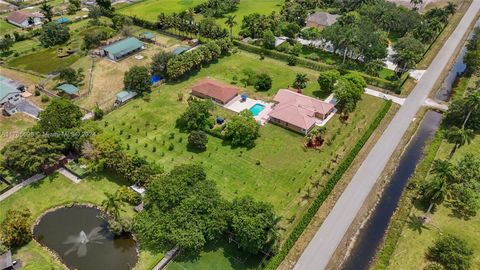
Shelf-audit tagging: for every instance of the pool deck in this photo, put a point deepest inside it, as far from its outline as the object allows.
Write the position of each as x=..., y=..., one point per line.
x=237, y=105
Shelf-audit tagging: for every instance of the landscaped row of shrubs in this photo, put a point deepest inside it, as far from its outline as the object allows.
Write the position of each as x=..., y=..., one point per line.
x=394, y=231
x=375, y=81
x=322, y=196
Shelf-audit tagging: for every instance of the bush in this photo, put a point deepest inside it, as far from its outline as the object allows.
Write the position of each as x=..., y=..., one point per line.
x=15, y=228
x=120, y=226
x=98, y=113
x=263, y=82
x=451, y=252
x=322, y=196
x=127, y=195
x=37, y=92
x=433, y=266
x=171, y=147
x=45, y=99
x=198, y=139
x=292, y=60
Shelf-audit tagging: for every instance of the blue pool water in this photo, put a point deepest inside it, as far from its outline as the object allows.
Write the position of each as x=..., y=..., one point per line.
x=256, y=109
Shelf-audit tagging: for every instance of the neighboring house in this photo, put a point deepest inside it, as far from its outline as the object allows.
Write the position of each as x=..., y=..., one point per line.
x=10, y=91
x=280, y=40
x=124, y=96
x=214, y=90
x=321, y=20
x=25, y=19
x=298, y=112
x=123, y=48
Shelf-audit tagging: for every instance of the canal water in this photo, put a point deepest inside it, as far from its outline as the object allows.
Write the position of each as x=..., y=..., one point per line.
x=372, y=233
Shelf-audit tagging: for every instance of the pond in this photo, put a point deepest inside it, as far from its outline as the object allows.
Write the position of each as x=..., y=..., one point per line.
x=80, y=238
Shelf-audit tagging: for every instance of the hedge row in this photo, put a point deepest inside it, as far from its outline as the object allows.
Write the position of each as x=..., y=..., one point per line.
x=322, y=196
x=399, y=219
x=371, y=80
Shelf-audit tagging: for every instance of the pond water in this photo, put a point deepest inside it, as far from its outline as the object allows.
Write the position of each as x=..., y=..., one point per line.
x=82, y=241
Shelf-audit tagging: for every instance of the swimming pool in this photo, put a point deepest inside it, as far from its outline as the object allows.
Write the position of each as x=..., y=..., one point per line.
x=256, y=109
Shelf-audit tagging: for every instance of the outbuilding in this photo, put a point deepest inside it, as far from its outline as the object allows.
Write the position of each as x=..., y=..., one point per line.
x=10, y=91
x=69, y=89
x=123, y=48
x=321, y=20
x=125, y=96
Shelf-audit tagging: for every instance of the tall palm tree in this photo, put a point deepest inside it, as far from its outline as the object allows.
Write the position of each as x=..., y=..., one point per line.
x=459, y=137
x=112, y=204
x=444, y=169
x=472, y=102
x=436, y=192
x=46, y=10
x=300, y=82
x=230, y=22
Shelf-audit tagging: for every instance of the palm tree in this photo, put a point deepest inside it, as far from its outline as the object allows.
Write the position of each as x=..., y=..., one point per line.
x=436, y=192
x=472, y=102
x=415, y=3
x=444, y=169
x=450, y=8
x=300, y=81
x=230, y=22
x=46, y=10
x=459, y=137
x=112, y=204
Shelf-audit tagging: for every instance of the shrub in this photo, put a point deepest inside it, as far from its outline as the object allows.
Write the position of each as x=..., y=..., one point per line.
x=37, y=92
x=433, y=266
x=171, y=147
x=263, y=82
x=98, y=113
x=127, y=195
x=451, y=252
x=292, y=60
x=198, y=139
x=15, y=228
x=45, y=99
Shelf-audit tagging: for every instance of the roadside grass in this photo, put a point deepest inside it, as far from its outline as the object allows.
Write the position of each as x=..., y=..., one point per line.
x=145, y=128
x=150, y=9
x=412, y=245
x=57, y=190
x=6, y=27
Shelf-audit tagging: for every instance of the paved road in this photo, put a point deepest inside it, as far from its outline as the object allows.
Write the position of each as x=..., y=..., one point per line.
x=325, y=242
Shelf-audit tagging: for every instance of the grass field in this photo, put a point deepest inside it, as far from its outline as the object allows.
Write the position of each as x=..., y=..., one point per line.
x=278, y=179
x=57, y=190
x=10, y=126
x=150, y=9
x=412, y=246
x=6, y=27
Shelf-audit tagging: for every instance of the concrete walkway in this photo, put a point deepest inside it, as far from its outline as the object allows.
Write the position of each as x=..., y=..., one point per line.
x=168, y=257
x=326, y=240
x=69, y=175
x=379, y=94
x=435, y=104
x=23, y=184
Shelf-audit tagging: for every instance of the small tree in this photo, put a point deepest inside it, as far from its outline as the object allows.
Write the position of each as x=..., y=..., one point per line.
x=15, y=228
x=198, y=139
x=327, y=80
x=197, y=116
x=53, y=34
x=268, y=40
x=408, y=51
x=230, y=22
x=451, y=252
x=459, y=137
x=6, y=43
x=46, y=10
x=98, y=113
x=263, y=82
x=242, y=129
x=159, y=63
x=68, y=75
x=113, y=204
x=137, y=79
x=301, y=81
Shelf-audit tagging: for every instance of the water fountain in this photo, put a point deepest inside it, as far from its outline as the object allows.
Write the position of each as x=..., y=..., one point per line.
x=81, y=239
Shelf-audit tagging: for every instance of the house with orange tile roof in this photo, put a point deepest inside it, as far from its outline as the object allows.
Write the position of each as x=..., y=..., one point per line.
x=298, y=112
x=214, y=90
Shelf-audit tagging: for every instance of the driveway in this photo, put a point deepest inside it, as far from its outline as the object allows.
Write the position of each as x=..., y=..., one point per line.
x=26, y=106
x=326, y=240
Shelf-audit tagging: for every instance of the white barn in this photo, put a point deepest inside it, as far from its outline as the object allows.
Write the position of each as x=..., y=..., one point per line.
x=24, y=19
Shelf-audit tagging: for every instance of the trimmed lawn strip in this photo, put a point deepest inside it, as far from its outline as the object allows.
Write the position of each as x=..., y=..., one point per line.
x=150, y=9
x=307, y=217
x=56, y=190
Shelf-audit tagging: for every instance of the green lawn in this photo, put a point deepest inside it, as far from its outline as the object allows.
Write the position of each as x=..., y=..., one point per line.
x=12, y=125
x=56, y=190
x=6, y=27
x=278, y=179
x=246, y=7
x=412, y=246
x=150, y=9
x=44, y=61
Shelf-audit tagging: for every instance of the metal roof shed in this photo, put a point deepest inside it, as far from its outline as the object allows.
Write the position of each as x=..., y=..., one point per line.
x=68, y=88
x=124, y=96
x=123, y=48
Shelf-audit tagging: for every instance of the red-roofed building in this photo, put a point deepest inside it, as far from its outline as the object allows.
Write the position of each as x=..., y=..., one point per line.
x=214, y=90
x=25, y=19
x=298, y=112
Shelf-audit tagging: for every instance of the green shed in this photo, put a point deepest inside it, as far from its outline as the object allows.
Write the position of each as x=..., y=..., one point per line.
x=125, y=96
x=123, y=48
x=68, y=88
